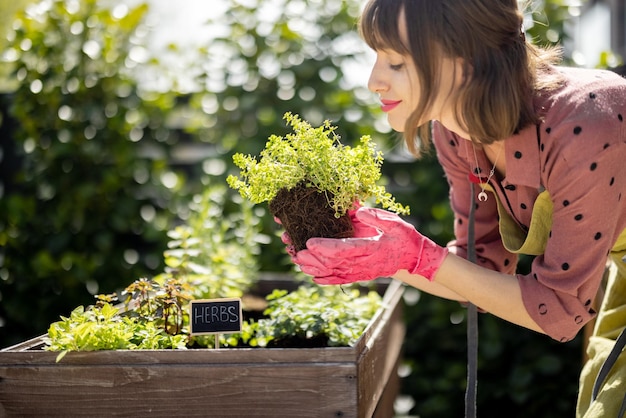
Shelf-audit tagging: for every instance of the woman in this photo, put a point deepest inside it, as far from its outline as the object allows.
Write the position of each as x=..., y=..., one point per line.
x=544, y=147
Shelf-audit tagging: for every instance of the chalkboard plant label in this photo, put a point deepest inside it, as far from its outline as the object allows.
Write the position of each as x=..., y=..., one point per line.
x=311, y=180
x=215, y=316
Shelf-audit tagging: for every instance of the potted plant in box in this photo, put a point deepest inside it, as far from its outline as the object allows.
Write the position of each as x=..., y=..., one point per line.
x=311, y=180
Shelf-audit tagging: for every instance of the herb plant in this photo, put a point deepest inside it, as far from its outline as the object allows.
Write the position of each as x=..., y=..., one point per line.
x=215, y=252
x=324, y=313
x=153, y=321
x=315, y=157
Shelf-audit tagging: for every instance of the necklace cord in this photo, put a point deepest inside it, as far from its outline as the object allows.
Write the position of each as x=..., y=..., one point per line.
x=482, y=196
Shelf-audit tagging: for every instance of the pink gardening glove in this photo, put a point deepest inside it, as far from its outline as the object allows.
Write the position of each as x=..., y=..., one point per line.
x=291, y=250
x=395, y=245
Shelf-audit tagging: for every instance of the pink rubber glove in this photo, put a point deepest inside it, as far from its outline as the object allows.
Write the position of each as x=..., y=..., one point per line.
x=291, y=250
x=395, y=245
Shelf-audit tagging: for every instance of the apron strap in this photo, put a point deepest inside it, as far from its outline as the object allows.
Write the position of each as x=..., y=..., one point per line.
x=472, y=323
x=608, y=364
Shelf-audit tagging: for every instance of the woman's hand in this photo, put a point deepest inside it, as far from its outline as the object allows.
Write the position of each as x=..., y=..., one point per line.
x=382, y=245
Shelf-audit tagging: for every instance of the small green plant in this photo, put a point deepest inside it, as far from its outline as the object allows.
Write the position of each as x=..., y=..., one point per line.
x=315, y=157
x=214, y=251
x=153, y=319
x=311, y=180
x=324, y=314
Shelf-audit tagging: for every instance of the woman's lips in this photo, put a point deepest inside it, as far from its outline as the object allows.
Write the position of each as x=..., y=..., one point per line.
x=389, y=105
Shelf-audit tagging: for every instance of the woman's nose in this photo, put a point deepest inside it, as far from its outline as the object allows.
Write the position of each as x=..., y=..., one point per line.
x=375, y=83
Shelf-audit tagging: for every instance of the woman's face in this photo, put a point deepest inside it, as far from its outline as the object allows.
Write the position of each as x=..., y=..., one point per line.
x=395, y=79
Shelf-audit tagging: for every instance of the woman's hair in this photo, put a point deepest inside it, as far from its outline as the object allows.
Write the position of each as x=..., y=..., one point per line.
x=501, y=70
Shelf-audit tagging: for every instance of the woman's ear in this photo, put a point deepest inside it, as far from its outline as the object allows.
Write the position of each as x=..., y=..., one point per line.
x=464, y=70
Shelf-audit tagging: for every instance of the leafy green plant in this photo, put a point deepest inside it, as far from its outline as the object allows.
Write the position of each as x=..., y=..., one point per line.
x=311, y=180
x=324, y=313
x=215, y=250
x=155, y=321
x=315, y=157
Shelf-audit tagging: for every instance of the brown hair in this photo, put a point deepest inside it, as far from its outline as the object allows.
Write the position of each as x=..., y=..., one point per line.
x=502, y=71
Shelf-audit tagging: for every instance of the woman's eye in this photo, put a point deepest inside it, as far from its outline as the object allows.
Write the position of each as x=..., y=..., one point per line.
x=396, y=67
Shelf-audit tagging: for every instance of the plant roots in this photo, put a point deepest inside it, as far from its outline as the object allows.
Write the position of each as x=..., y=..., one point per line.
x=305, y=213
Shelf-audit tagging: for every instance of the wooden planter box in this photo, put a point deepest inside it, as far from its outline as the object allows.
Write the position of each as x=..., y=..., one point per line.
x=359, y=381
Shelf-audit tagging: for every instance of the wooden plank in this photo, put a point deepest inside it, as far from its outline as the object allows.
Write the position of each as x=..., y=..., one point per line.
x=80, y=391
x=32, y=344
x=386, y=404
x=378, y=361
x=194, y=356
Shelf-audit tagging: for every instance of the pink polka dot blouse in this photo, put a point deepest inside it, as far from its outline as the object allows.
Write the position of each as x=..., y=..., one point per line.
x=578, y=154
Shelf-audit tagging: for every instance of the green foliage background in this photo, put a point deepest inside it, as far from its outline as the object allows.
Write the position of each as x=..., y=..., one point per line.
x=84, y=205
x=90, y=182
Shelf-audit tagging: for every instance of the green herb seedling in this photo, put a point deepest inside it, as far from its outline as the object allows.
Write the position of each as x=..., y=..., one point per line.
x=315, y=157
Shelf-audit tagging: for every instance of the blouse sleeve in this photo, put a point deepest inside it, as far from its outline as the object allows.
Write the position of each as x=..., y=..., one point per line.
x=490, y=252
